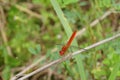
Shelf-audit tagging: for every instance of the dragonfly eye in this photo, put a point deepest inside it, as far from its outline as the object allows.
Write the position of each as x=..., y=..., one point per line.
x=61, y=53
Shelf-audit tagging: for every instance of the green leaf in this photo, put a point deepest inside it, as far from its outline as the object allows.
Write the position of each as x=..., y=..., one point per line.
x=32, y=50
x=38, y=48
x=71, y=16
x=67, y=2
x=13, y=62
x=66, y=65
x=36, y=1
x=35, y=50
x=83, y=3
x=114, y=71
x=98, y=72
x=6, y=73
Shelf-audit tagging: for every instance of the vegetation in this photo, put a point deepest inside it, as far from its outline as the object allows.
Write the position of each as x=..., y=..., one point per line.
x=31, y=29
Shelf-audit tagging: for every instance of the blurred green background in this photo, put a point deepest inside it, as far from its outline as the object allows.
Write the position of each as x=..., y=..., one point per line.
x=33, y=30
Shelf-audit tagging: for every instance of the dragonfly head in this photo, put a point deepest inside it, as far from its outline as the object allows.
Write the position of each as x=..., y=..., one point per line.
x=61, y=52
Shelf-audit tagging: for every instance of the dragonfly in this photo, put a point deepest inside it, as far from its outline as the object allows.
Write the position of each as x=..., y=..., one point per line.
x=67, y=45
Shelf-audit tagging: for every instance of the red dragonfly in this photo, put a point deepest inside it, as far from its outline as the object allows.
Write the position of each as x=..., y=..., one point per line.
x=67, y=45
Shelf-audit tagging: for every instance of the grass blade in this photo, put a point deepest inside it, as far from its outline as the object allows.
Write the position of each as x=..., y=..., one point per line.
x=68, y=31
x=114, y=72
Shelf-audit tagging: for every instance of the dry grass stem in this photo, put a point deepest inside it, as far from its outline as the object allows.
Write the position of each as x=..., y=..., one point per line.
x=69, y=56
x=2, y=26
x=82, y=31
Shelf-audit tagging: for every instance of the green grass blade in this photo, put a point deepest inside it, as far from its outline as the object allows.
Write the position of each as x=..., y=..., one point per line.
x=68, y=31
x=114, y=72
